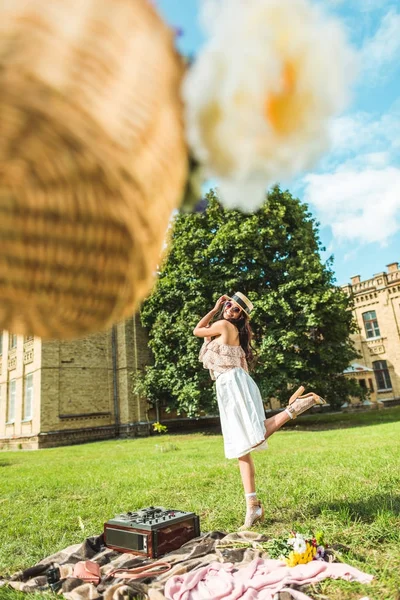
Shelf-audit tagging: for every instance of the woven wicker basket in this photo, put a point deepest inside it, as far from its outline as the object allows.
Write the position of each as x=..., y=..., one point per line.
x=92, y=160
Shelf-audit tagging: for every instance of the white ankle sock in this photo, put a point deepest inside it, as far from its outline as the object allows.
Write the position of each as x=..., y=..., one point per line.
x=289, y=413
x=252, y=495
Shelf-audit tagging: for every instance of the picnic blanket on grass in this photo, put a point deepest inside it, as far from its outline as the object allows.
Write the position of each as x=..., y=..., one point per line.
x=211, y=566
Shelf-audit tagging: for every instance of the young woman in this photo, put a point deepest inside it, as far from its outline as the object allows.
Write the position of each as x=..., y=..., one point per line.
x=226, y=352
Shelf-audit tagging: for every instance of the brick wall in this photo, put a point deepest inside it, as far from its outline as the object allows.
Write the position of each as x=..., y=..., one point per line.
x=76, y=387
x=133, y=354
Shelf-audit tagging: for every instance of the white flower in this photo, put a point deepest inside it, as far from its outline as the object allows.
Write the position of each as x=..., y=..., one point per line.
x=299, y=545
x=259, y=97
x=298, y=542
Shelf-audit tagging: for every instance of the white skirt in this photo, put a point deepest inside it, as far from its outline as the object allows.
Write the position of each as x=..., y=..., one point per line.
x=242, y=413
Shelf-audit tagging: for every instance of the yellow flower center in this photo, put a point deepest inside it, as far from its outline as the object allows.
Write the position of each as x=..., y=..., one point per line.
x=283, y=109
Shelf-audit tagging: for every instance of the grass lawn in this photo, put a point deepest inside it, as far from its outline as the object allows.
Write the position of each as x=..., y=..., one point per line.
x=344, y=480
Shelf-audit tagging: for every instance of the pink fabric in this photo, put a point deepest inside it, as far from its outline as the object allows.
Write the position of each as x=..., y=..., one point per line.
x=259, y=580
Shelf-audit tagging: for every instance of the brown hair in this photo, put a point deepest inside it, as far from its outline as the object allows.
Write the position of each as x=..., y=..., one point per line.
x=245, y=334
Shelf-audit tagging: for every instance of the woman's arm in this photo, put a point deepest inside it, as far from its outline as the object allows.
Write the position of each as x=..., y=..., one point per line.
x=204, y=329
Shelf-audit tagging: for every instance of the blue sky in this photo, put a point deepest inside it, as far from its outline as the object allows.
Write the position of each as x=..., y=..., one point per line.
x=354, y=190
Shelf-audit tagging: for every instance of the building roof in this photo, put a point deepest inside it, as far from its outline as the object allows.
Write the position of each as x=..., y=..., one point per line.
x=357, y=368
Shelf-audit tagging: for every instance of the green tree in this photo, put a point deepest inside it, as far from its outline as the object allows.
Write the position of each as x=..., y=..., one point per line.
x=301, y=319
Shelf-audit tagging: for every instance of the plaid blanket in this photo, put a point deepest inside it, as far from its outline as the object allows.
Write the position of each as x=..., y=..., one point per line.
x=239, y=548
x=213, y=546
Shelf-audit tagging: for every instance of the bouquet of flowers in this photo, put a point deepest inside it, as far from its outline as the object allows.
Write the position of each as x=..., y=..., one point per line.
x=298, y=548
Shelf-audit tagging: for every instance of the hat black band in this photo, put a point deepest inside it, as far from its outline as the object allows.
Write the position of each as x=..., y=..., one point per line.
x=241, y=303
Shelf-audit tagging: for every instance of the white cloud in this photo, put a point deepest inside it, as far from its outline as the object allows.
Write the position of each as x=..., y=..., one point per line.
x=383, y=49
x=359, y=205
x=358, y=192
x=364, y=140
x=365, y=132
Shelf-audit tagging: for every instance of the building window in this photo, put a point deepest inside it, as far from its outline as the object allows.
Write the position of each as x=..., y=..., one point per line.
x=1, y=343
x=12, y=341
x=28, y=397
x=382, y=375
x=371, y=385
x=371, y=324
x=363, y=384
x=11, y=401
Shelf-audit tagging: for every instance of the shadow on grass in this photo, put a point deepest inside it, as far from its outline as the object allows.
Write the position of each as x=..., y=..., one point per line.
x=314, y=422
x=340, y=420
x=366, y=510
x=211, y=430
x=216, y=430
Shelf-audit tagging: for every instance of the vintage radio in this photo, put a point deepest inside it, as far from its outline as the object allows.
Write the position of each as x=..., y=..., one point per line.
x=151, y=531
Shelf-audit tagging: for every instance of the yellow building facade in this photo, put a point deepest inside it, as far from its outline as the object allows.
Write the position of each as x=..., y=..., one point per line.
x=377, y=313
x=55, y=393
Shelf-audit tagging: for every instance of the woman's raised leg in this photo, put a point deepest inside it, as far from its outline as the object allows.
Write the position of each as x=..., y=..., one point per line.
x=297, y=405
x=274, y=423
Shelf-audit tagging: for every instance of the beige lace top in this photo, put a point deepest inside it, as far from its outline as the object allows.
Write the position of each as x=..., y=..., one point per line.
x=222, y=357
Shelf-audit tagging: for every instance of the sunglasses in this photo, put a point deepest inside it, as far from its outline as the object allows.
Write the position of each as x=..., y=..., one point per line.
x=235, y=309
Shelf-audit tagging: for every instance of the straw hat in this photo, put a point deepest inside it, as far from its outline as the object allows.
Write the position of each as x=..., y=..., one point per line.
x=92, y=160
x=242, y=302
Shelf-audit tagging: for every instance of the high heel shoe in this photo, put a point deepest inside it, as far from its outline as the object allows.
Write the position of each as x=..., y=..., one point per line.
x=299, y=404
x=254, y=513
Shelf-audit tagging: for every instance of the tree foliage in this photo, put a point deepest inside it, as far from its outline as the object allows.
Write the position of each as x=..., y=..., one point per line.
x=301, y=319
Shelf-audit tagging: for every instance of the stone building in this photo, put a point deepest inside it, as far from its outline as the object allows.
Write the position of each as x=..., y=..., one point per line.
x=377, y=312
x=55, y=393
